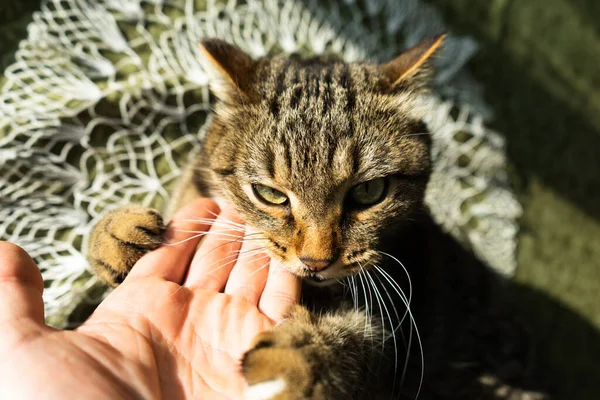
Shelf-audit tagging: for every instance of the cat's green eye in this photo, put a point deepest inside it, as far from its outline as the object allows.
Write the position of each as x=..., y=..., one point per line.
x=269, y=195
x=368, y=193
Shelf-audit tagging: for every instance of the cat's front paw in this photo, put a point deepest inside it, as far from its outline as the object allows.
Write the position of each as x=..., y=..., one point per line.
x=121, y=238
x=276, y=368
x=284, y=363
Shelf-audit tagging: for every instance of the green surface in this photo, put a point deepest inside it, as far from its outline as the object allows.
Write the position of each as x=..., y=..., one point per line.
x=539, y=63
x=14, y=17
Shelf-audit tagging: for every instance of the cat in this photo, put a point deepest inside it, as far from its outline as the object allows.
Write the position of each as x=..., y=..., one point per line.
x=329, y=161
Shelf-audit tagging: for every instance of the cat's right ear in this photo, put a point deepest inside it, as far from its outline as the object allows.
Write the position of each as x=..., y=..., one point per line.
x=413, y=67
x=228, y=67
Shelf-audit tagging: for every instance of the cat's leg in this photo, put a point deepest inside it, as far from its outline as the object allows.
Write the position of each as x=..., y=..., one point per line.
x=121, y=238
x=310, y=356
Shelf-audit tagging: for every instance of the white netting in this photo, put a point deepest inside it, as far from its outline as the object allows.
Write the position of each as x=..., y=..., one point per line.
x=107, y=101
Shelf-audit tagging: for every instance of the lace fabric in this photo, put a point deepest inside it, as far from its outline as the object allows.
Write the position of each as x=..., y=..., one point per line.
x=107, y=101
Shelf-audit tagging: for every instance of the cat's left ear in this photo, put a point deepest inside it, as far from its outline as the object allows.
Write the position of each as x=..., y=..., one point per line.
x=228, y=67
x=413, y=67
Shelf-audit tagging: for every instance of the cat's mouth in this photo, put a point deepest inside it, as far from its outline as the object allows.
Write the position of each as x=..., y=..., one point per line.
x=317, y=280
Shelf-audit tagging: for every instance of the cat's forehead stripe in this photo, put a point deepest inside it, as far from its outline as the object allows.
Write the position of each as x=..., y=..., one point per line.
x=279, y=88
x=312, y=105
x=301, y=86
x=328, y=123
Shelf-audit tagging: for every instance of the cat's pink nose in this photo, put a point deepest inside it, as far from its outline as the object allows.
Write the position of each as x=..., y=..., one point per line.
x=316, y=265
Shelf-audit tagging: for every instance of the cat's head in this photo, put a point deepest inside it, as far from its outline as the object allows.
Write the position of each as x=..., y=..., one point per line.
x=322, y=158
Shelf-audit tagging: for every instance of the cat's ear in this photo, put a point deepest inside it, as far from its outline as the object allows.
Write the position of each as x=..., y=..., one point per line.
x=228, y=67
x=413, y=67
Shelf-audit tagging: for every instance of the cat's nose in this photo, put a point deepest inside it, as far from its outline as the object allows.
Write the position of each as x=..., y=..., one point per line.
x=316, y=265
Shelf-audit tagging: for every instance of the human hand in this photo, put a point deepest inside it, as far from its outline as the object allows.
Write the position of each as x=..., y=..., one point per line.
x=172, y=329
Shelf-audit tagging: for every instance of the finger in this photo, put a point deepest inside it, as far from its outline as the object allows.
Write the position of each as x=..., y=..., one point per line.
x=185, y=230
x=282, y=291
x=248, y=277
x=217, y=254
x=21, y=285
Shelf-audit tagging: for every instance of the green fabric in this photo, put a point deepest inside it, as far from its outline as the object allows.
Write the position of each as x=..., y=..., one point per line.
x=14, y=17
x=538, y=63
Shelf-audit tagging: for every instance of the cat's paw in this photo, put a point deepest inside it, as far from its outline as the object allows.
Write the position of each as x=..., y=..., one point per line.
x=121, y=238
x=282, y=365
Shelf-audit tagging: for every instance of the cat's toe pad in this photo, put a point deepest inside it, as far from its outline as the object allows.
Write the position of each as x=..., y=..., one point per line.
x=265, y=390
x=277, y=373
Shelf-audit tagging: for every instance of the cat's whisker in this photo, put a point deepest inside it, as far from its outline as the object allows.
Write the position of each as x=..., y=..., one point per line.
x=221, y=245
x=217, y=217
x=221, y=218
x=211, y=232
x=394, y=284
x=221, y=222
x=351, y=290
x=373, y=290
x=370, y=309
x=215, y=221
x=422, y=355
x=245, y=251
x=176, y=291
x=202, y=234
x=413, y=324
x=366, y=272
x=355, y=294
x=364, y=290
x=379, y=304
x=251, y=256
x=246, y=237
x=407, y=345
x=241, y=239
x=241, y=254
x=376, y=268
x=185, y=240
x=405, y=271
x=393, y=329
x=233, y=258
x=265, y=265
x=398, y=291
x=205, y=233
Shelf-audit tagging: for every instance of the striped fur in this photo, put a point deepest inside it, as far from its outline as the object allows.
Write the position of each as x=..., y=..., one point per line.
x=313, y=129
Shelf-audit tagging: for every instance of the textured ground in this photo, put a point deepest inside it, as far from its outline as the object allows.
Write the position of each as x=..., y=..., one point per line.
x=539, y=65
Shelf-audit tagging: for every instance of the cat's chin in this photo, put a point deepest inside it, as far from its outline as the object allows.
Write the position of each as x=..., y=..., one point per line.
x=320, y=282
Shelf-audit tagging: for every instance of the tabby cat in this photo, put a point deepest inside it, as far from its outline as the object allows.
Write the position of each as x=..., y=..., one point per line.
x=329, y=161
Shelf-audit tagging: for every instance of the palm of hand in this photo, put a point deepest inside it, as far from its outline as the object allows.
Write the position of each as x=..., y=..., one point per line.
x=151, y=337
x=164, y=326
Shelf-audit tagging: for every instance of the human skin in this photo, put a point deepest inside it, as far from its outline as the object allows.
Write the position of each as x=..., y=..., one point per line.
x=175, y=328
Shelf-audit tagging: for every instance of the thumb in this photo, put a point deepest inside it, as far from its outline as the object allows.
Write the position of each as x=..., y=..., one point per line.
x=21, y=285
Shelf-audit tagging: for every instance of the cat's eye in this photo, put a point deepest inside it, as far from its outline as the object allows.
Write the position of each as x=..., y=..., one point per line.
x=369, y=193
x=269, y=195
